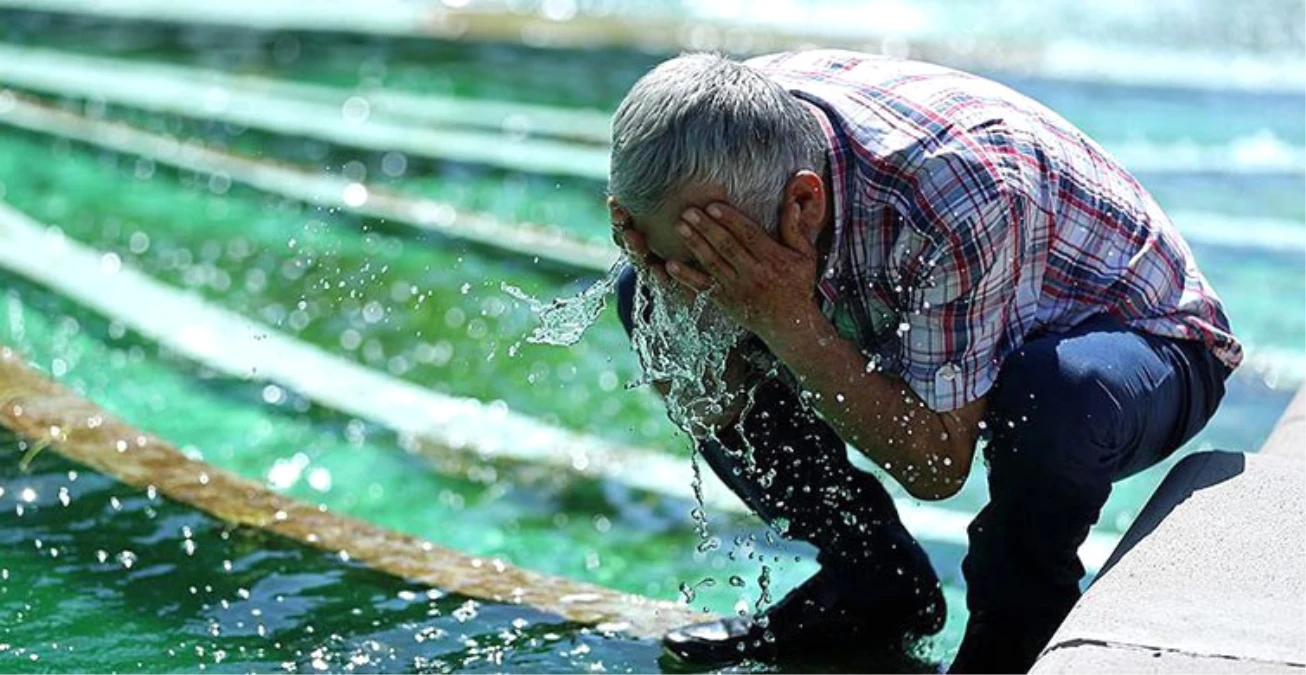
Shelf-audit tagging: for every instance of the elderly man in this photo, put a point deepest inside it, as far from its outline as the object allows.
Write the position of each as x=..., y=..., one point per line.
x=915, y=258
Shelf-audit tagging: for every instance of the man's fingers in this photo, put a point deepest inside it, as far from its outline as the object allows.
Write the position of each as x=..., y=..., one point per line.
x=791, y=230
x=689, y=276
x=745, y=229
x=755, y=239
x=723, y=238
x=717, y=263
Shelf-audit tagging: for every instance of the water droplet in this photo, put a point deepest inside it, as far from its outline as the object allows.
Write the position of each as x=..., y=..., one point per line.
x=709, y=544
x=354, y=195
x=466, y=611
x=273, y=395
x=139, y=242
x=110, y=263
x=355, y=110
x=373, y=312
x=764, y=597
x=319, y=479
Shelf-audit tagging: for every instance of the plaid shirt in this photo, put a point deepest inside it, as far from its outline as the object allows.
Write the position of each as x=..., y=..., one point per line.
x=969, y=218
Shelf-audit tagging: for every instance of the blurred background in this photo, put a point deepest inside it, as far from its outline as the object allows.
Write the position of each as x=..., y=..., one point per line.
x=363, y=178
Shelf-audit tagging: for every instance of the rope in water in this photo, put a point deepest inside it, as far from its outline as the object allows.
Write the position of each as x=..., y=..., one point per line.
x=48, y=414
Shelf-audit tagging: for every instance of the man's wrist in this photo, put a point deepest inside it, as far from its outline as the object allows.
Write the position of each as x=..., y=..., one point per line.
x=791, y=342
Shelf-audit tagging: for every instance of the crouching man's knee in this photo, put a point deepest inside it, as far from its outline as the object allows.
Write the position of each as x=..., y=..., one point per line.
x=1053, y=428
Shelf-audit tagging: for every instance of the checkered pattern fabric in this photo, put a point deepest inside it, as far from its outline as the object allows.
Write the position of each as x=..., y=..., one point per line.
x=970, y=218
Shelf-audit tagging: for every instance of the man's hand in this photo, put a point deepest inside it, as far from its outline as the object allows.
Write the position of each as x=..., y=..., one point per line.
x=648, y=264
x=769, y=287
x=764, y=285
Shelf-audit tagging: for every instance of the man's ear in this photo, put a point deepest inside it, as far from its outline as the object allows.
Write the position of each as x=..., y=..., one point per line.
x=620, y=217
x=807, y=189
x=621, y=221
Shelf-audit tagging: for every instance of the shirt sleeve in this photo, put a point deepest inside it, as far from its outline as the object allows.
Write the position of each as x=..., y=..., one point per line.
x=959, y=264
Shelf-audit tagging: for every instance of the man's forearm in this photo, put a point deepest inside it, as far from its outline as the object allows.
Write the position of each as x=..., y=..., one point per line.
x=876, y=413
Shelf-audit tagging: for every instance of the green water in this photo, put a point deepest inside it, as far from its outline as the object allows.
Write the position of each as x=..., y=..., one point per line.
x=594, y=79
x=598, y=532
x=428, y=310
x=185, y=593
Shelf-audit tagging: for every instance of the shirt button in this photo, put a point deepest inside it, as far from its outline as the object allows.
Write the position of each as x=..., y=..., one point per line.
x=949, y=371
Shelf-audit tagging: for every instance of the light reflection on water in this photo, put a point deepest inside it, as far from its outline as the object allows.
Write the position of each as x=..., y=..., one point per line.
x=186, y=592
x=603, y=532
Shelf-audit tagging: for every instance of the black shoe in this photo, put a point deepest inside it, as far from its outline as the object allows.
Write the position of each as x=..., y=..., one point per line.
x=827, y=615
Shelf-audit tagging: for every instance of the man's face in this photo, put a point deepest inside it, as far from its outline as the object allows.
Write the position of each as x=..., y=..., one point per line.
x=659, y=227
x=680, y=340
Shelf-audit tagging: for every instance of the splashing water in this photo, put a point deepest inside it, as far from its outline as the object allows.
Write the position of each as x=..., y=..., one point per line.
x=564, y=320
x=683, y=344
x=763, y=583
x=689, y=593
x=699, y=512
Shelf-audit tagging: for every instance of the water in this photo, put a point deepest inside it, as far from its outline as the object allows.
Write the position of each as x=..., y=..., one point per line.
x=193, y=595
x=688, y=347
x=564, y=320
x=682, y=345
x=431, y=310
x=601, y=532
x=432, y=329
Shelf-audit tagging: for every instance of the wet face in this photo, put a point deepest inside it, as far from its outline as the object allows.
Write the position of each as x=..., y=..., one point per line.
x=682, y=341
x=658, y=227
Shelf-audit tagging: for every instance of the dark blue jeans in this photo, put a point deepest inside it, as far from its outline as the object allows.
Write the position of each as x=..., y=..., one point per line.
x=1071, y=413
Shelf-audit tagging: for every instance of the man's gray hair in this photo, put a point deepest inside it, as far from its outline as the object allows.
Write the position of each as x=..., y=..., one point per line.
x=701, y=119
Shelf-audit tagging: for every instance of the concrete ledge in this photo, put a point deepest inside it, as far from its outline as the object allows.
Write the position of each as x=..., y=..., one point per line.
x=1210, y=578
x=1289, y=435
x=1087, y=657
